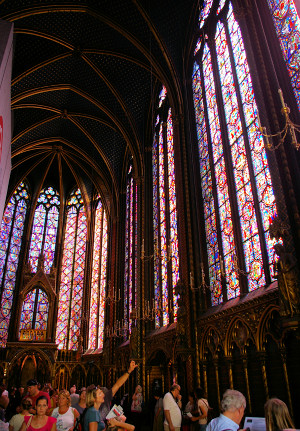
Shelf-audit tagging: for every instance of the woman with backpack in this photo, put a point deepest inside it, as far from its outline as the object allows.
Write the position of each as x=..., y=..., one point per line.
x=203, y=408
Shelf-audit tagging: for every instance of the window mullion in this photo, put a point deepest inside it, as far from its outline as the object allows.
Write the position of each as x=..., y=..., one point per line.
x=35, y=308
x=45, y=229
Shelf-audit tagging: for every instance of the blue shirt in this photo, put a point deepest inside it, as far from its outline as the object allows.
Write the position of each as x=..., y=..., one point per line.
x=222, y=423
x=92, y=415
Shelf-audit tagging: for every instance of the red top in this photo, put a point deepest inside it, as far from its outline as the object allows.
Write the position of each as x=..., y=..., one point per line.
x=47, y=427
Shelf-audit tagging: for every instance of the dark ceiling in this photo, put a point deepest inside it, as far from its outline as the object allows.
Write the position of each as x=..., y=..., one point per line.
x=84, y=76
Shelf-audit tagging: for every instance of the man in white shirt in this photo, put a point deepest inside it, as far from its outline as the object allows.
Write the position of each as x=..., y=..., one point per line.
x=172, y=409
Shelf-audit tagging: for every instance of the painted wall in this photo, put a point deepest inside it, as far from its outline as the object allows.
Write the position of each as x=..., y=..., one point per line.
x=6, y=50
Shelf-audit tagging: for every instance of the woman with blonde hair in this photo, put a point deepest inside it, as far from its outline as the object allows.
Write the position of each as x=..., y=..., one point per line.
x=65, y=414
x=91, y=417
x=277, y=415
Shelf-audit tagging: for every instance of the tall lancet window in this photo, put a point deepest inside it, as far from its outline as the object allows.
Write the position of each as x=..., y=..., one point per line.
x=130, y=273
x=166, y=258
x=99, y=270
x=287, y=24
x=236, y=184
x=44, y=230
x=11, y=234
x=72, y=275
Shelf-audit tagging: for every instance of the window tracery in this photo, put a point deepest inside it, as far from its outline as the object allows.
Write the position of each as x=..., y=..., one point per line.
x=44, y=230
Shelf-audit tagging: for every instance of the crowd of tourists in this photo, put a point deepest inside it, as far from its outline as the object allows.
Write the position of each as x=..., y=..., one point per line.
x=89, y=409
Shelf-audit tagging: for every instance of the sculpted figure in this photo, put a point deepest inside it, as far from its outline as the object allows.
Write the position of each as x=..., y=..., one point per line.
x=288, y=281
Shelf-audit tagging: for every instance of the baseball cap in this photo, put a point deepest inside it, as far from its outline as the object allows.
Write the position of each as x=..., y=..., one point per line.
x=32, y=382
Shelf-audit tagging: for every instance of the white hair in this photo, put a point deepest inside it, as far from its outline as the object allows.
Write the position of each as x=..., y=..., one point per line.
x=232, y=400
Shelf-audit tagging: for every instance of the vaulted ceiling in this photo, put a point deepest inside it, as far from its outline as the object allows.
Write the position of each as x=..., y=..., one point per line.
x=84, y=76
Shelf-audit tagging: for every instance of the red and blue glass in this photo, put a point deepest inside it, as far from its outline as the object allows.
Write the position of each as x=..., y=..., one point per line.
x=35, y=308
x=44, y=229
x=99, y=271
x=11, y=234
x=246, y=152
x=287, y=25
x=166, y=255
x=72, y=275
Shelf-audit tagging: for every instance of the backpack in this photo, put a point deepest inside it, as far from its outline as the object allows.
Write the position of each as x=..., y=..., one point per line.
x=210, y=414
x=210, y=411
x=79, y=424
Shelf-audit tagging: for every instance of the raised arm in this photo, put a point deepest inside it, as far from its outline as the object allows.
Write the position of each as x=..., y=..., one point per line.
x=121, y=380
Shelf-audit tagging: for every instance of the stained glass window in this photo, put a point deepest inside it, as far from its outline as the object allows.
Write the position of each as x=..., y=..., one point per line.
x=207, y=4
x=35, y=309
x=44, y=230
x=11, y=233
x=72, y=274
x=287, y=24
x=130, y=273
x=99, y=270
x=236, y=246
x=166, y=258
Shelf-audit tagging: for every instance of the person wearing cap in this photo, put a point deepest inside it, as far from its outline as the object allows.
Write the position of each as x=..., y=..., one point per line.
x=34, y=394
x=110, y=393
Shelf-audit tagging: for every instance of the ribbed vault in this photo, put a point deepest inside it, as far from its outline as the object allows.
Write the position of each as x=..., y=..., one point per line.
x=84, y=77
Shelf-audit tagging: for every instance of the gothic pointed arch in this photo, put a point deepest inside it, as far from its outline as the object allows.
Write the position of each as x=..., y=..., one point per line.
x=238, y=334
x=44, y=229
x=36, y=303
